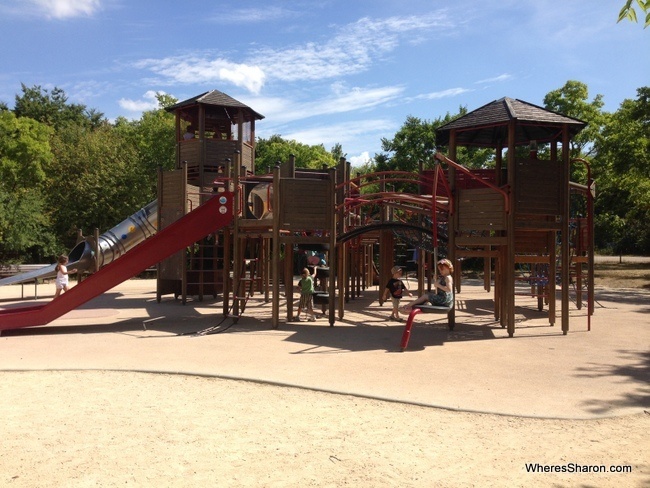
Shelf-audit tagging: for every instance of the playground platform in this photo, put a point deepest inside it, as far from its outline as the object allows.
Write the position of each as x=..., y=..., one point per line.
x=538, y=373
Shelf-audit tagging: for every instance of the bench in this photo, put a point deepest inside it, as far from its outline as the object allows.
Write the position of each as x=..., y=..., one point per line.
x=449, y=311
x=18, y=269
x=322, y=298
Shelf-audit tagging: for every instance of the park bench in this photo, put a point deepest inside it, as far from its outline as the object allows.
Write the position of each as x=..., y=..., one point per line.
x=17, y=269
x=449, y=311
x=322, y=298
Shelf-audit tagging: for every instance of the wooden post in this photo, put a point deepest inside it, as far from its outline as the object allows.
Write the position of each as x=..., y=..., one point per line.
x=566, y=258
x=275, y=314
x=288, y=278
x=237, y=254
x=266, y=246
x=202, y=157
x=509, y=278
x=591, y=190
x=177, y=127
x=227, y=255
x=550, y=291
x=452, y=220
x=333, y=257
x=185, y=210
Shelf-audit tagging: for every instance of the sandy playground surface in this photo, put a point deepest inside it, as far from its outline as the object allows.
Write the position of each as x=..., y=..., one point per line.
x=98, y=426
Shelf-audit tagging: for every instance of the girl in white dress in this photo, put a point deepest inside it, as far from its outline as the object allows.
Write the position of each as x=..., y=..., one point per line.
x=62, y=275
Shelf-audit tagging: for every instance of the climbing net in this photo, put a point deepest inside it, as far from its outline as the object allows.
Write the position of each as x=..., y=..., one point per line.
x=415, y=238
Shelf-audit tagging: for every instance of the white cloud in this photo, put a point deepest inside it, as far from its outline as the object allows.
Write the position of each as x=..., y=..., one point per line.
x=359, y=160
x=64, y=9
x=503, y=77
x=282, y=110
x=148, y=102
x=351, y=50
x=249, y=77
x=343, y=133
x=252, y=15
x=451, y=92
x=195, y=70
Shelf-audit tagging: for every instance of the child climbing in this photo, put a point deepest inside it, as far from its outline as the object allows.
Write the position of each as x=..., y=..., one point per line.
x=443, y=294
x=306, y=287
x=62, y=275
x=395, y=287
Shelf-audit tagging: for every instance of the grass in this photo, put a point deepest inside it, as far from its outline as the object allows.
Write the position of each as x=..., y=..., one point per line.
x=608, y=274
x=622, y=275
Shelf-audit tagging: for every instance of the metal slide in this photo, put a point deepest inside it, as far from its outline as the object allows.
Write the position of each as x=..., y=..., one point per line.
x=209, y=217
x=112, y=244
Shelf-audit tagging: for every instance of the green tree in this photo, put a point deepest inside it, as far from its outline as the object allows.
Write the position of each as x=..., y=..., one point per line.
x=622, y=170
x=572, y=100
x=416, y=141
x=269, y=151
x=24, y=217
x=95, y=180
x=628, y=12
x=52, y=108
x=154, y=139
x=337, y=152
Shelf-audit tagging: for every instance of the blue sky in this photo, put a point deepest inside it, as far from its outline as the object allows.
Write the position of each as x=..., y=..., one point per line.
x=323, y=71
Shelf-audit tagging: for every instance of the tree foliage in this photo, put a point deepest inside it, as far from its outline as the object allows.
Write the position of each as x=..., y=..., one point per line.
x=24, y=217
x=622, y=170
x=154, y=138
x=573, y=100
x=415, y=141
x=275, y=149
x=629, y=12
x=52, y=108
x=95, y=180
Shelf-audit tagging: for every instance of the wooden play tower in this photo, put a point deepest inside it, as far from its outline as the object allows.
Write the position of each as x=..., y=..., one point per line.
x=215, y=137
x=527, y=208
x=274, y=213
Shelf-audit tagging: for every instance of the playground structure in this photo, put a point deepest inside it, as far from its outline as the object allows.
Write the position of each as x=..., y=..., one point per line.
x=510, y=216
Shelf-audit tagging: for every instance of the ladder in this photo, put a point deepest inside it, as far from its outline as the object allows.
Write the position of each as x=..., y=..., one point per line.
x=245, y=289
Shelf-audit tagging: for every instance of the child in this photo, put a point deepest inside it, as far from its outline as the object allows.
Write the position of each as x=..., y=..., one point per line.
x=443, y=294
x=395, y=287
x=306, y=287
x=62, y=275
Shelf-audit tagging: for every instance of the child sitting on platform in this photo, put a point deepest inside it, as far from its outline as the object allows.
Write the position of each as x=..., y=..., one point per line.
x=443, y=294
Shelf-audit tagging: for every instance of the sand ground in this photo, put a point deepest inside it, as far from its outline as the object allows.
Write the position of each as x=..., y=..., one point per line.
x=94, y=399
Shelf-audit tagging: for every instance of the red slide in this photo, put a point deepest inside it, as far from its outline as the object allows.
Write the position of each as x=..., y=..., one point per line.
x=209, y=217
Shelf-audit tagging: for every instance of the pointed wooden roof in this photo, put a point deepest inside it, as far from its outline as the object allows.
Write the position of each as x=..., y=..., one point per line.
x=214, y=98
x=487, y=126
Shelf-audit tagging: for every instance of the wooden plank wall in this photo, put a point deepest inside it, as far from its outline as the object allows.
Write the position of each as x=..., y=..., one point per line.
x=537, y=187
x=531, y=242
x=189, y=151
x=216, y=152
x=248, y=157
x=171, y=207
x=304, y=204
x=480, y=210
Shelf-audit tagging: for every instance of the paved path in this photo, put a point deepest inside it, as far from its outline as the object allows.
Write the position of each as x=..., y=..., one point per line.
x=477, y=367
